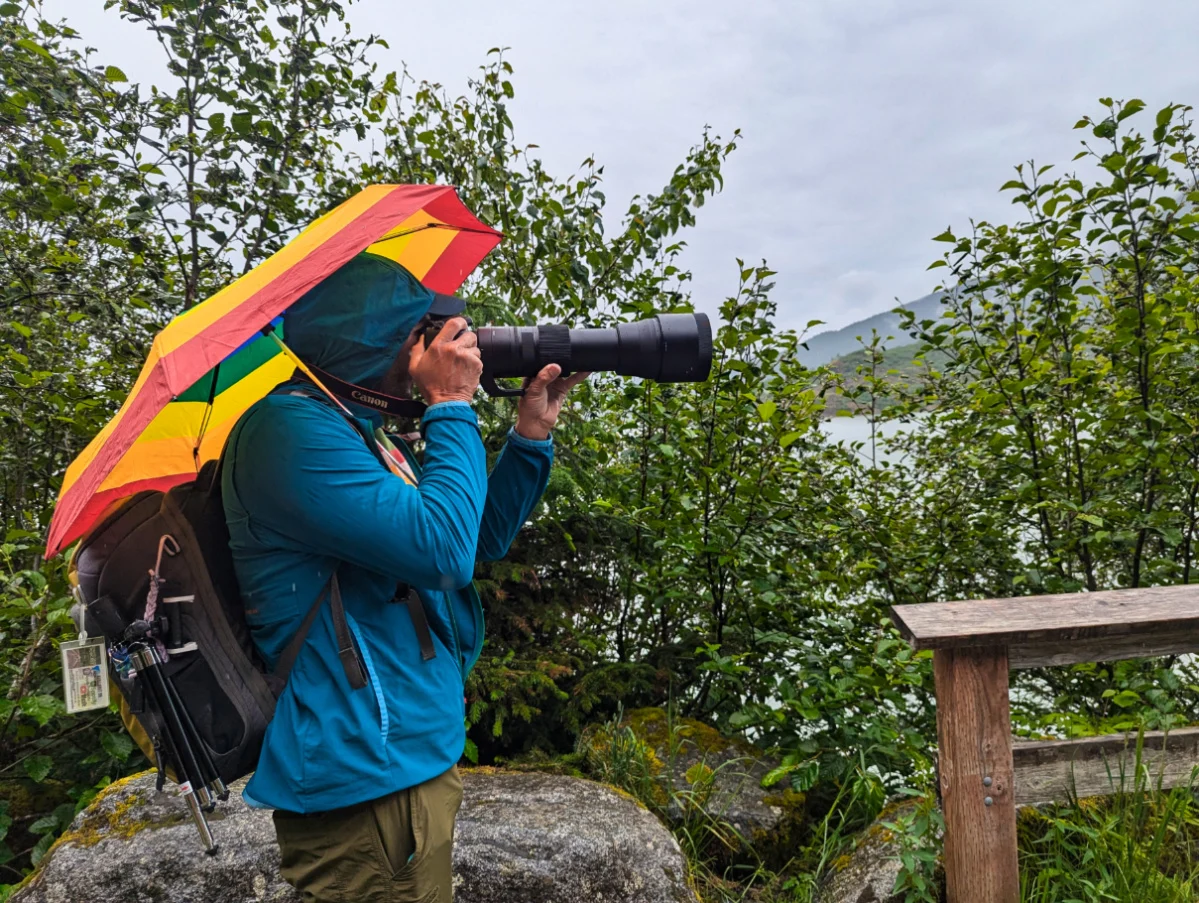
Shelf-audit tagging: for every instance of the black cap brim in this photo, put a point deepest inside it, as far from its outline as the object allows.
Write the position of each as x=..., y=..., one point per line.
x=446, y=305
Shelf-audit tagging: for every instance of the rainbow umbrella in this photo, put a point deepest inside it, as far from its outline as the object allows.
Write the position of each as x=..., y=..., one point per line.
x=213, y=361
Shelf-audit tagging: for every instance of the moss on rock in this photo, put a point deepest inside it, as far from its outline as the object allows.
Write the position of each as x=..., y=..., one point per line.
x=111, y=815
x=656, y=725
x=701, y=767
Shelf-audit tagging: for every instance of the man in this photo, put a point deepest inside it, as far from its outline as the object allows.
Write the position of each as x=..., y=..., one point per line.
x=363, y=781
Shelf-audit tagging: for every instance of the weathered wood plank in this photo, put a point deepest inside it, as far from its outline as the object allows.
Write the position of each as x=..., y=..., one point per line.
x=1146, y=644
x=1043, y=620
x=974, y=733
x=1052, y=770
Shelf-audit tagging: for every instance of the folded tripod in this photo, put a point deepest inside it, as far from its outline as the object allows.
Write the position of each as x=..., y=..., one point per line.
x=177, y=744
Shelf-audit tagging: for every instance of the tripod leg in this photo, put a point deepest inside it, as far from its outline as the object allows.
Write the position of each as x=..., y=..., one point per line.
x=197, y=743
x=194, y=806
x=191, y=779
x=201, y=820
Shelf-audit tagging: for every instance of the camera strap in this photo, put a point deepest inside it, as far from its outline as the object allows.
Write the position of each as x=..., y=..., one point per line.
x=371, y=398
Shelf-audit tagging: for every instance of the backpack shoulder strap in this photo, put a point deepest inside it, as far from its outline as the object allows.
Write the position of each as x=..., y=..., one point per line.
x=345, y=644
x=346, y=650
x=420, y=619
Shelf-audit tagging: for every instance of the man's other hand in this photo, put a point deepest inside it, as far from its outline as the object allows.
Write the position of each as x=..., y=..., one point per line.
x=538, y=410
x=449, y=369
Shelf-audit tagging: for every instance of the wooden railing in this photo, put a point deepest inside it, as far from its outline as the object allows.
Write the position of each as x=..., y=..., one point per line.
x=983, y=778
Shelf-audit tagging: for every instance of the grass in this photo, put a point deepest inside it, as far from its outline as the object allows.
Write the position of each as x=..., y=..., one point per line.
x=1139, y=844
x=616, y=755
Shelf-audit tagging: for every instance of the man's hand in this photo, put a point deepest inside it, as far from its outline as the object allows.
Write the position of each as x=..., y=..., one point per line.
x=449, y=369
x=538, y=410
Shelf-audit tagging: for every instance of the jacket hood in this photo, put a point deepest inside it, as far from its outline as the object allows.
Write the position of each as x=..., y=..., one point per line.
x=354, y=321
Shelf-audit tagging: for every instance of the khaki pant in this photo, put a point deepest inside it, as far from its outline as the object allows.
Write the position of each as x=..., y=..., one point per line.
x=395, y=849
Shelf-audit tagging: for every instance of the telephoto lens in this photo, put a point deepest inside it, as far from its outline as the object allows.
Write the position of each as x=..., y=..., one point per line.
x=668, y=348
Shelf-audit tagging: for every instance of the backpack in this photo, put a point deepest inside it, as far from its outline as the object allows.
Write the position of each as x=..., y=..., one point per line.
x=155, y=577
x=162, y=559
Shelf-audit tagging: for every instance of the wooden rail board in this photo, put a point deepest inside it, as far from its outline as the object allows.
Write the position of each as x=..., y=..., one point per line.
x=1065, y=621
x=1147, y=644
x=1054, y=770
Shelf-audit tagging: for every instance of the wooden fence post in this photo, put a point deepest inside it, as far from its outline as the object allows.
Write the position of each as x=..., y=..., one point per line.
x=975, y=737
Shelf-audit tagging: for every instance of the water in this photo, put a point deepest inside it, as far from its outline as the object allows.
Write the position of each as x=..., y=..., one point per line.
x=858, y=429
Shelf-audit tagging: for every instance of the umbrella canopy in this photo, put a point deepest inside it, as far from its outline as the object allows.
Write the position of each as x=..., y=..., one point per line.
x=213, y=361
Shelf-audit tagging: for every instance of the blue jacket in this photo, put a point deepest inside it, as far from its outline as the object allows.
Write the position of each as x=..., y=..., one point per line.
x=303, y=494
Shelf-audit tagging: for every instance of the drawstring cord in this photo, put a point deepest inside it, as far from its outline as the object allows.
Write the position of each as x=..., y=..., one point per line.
x=156, y=582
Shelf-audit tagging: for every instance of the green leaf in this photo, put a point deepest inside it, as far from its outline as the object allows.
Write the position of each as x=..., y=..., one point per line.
x=1131, y=108
x=806, y=776
x=242, y=123
x=766, y=409
x=788, y=438
x=775, y=775
x=40, y=708
x=119, y=746
x=1126, y=698
x=38, y=767
x=1091, y=519
x=41, y=848
x=44, y=824
x=1013, y=184
x=947, y=235
x=33, y=47
x=113, y=74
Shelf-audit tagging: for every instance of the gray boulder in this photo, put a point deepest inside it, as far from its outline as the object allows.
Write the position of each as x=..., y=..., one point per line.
x=868, y=874
x=528, y=837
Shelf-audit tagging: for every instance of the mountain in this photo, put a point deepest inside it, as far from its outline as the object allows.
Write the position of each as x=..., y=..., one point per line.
x=826, y=346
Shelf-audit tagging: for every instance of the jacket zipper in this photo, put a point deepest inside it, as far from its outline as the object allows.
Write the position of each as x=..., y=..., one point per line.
x=374, y=678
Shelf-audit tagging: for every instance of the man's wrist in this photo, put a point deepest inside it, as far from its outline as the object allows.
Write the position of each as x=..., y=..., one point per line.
x=532, y=432
x=433, y=398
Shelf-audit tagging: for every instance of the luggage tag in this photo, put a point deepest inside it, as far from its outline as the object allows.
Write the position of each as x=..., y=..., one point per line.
x=84, y=673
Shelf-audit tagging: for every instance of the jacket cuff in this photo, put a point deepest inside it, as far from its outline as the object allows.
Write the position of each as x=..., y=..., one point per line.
x=450, y=410
x=515, y=438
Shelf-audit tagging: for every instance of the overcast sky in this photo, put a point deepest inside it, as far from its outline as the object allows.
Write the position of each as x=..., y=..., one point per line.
x=869, y=125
